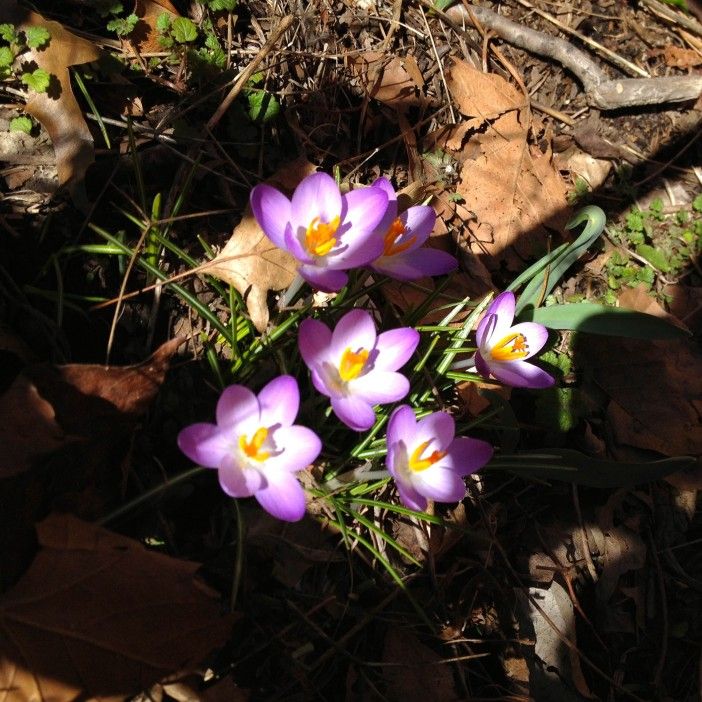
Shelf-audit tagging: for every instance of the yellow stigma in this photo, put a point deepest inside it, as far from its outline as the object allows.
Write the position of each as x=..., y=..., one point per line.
x=319, y=237
x=352, y=363
x=394, y=232
x=511, y=348
x=253, y=448
x=416, y=463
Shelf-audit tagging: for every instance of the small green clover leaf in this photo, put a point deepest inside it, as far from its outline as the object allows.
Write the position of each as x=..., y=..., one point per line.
x=21, y=124
x=8, y=33
x=184, y=30
x=37, y=37
x=37, y=80
x=7, y=56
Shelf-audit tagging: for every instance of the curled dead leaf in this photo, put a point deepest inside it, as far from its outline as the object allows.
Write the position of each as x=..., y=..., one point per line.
x=97, y=616
x=396, y=82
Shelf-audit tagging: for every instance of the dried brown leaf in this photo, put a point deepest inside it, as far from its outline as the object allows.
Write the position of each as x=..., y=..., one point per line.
x=144, y=37
x=413, y=672
x=250, y=262
x=57, y=109
x=97, y=616
x=396, y=82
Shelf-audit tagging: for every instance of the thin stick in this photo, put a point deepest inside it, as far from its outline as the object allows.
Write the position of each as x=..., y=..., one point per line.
x=246, y=74
x=438, y=62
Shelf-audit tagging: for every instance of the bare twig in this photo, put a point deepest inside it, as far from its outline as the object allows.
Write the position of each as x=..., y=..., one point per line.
x=601, y=91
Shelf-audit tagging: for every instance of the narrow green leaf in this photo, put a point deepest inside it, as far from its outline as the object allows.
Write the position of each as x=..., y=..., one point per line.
x=598, y=319
x=575, y=467
x=541, y=285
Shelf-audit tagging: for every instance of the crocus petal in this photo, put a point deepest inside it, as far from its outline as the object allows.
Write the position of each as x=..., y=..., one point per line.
x=395, y=347
x=503, y=308
x=323, y=279
x=353, y=412
x=237, y=407
x=364, y=210
x=205, y=444
x=481, y=366
x=536, y=336
x=279, y=401
x=410, y=497
x=402, y=426
x=300, y=447
x=355, y=330
x=283, y=496
x=391, y=210
x=313, y=340
x=464, y=456
x=440, y=484
x=438, y=428
x=317, y=195
x=380, y=387
x=520, y=374
x=272, y=212
x=418, y=221
x=385, y=185
x=419, y=263
x=294, y=246
x=484, y=330
x=237, y=481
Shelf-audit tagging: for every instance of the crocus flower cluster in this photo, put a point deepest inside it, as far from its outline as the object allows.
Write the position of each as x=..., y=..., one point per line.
x=329, y=233
x=254, y=444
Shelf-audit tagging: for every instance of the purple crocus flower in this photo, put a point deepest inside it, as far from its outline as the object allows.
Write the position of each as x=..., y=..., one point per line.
x=503, y=348
x=356, y=368
x=327, y=232
x=403, y=235
x=256, y=447
x=427, y=461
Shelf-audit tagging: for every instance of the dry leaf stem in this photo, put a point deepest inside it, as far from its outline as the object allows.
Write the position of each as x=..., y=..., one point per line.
x=601, y=91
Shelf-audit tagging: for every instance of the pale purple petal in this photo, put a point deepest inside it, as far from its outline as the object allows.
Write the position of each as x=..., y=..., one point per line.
x=320, y=382
x=359, y=243
x=520, y=374
x=536, y=336
x=317, y=195
x=438, y=428
x=417, y=263
x=283, y=496
x=237, y=407
x=440, y=484
x=323, y=279
x=502, y=307
x=206, y=444
x=353, y=412
x=295, y=247
x=300, y=447
x=464, y=456
x=395, y=347
x=391, y=211
x=484, y=331
x=313, y=340
x=355, y=330
x=410, y=497
x=238, y=481
x=380, y=387
x=385, y=185
x=272, y=212
x=402, y=426
x=418, y=221
x=481, y=366
x=279, y=401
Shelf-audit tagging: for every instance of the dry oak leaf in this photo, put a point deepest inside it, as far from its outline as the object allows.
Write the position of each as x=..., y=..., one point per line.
x=145, y=37
x=396, y=82
x=47, y=407
x=99, y=617
x=250, y=262
x=511, y=186
x=57, y=109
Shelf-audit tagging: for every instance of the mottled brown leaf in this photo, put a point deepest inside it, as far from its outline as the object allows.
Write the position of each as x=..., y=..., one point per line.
x=97, y=616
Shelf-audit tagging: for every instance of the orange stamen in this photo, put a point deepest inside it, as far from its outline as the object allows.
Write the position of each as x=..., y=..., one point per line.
x=394, y=232
x=511, y=348
x=253, y=448
x=416, y=463
x=319, y=237
x=352, y=363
